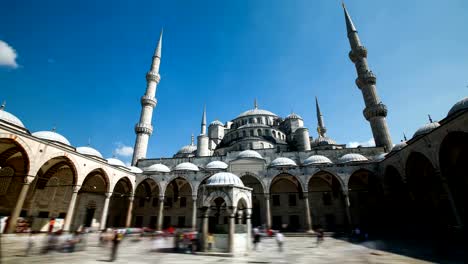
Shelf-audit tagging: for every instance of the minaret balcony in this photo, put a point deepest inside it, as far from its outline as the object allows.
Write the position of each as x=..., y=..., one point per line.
x=358, y=53
x=368, y=78
x=148, y=100
x=375, y=111
x=153, y=76
x=144, y=128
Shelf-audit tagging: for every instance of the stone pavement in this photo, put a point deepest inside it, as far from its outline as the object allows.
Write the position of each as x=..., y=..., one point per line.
x=297, y=250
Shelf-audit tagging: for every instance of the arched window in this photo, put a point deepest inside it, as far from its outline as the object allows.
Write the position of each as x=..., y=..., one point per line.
x=259, y=120
x=259, y=132
x=251, y=120
x=273, y=133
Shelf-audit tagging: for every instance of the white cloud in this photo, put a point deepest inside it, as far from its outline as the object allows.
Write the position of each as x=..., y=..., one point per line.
x=355, y=144
x=7, y=55
x=123, y=150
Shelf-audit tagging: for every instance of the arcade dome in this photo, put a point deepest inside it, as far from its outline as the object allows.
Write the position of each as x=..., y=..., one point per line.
x=224, y=178
x=186, y=166
x=460, y=105
x=52, y=136
x=216, y=165
x=283, y=162
x=115, y=162
x=249, y=154
x=135, y=169
x=352, y=157
x=426, y=129
x=89, y=151
x=10, y=118
x=316, y=159
x=157, y=168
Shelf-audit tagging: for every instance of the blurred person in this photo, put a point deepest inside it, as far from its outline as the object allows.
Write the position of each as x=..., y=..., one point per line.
x=280, y=241
x=256, y=239
x=320, y=236
x=51, y=225
x=210, y=241
x=30, y=243
x=118, y=236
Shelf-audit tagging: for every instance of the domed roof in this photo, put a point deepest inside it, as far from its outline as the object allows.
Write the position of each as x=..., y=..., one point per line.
x=224, y=178
x=293, y=116
x=186, y=166
x=249, y=154
x=352, y=157
x=252, y=125
x=256, y=111
x=462, y=104
x=426, y=129
x=187, y=149
x=89, y=151
x=10, y=118
x=115, y=162
x=51, y=136
x=399, y=146
x=216, y=123
x=283, y=162
x=322, y=141
x=158, y=167
x=316, y=159
x=216, y=165
x=135, y=169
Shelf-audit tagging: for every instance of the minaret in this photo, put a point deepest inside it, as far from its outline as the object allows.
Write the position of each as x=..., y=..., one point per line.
x=143, y=129
x=375, y=111
x=202, y=139
x=320, y=124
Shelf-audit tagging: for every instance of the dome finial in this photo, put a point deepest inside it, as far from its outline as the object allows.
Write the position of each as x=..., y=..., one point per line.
x=430, y=119
x=255, y=103
x=404, y=136
x=89, y=141
x=54, y=128
x=2, y=107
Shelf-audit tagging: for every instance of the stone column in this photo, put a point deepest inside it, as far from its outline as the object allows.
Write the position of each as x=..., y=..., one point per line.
x=17, y=210
x=239, y=217
x=205, y=229
x=71, y=209
x=267, y=209
x=347, y=205
x=248, y=213
x=194, y=212
x=160, y=214
x=105, y=210
x=232, y=229
x=307, y=212
x=450, y=198
x=129, y=211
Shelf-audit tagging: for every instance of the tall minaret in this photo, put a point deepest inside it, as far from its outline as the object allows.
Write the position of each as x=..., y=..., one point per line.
x=143, y=129
x=375, y=111
x=321, y=129
x=202, y=139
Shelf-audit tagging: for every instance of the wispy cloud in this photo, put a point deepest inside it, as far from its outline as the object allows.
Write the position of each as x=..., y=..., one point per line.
x=123, y=150
x=8, y=55
x=355, y=144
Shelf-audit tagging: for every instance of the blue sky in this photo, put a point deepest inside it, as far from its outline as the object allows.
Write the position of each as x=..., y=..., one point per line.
x=82, y=64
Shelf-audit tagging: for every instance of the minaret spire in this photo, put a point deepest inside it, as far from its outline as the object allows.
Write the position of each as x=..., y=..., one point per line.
x=144, y=128
x=375, y=111
x=320, y=124
x=203, y=122
x=255, y=103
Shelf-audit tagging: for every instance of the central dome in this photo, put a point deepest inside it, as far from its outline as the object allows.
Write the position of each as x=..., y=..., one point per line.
x=224, y=178
x=256, y=111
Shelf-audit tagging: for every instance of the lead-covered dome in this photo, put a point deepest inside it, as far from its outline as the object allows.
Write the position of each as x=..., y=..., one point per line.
x=186, y=166
x=460, y=105
x=399, y=146
x=216, y=123
x=426, y=129
x=10, y=118
x=116, y=162
x=88, y=151
x=352, y=157
x=189, y=149
x=52, y=136
x=158, y=167
x=293, y=116
x=224, y=178
x=256, y=111
x=135, y=169
x=323, y=141
x=283, y=162
x=216, y=165
x=316, y=160
x=249, y=154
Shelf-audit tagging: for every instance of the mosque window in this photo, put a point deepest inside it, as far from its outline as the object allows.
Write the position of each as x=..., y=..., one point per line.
x=273, y=133
x=259, y=132
x=276, y=200
x=251, y=120
x=292, y=199
x=259, y=120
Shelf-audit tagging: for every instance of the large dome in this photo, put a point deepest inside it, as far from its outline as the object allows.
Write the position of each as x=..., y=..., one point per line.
x=352, y=157
x=249, y=154
x=283, y=162
x=115, y=162
x=88, y=151
x=460, y=105
x=256, y=111
x=426, y=129
x=10, y=118
x=158, y=167
x=52, y=136
x=216, y=165
x=186, y=166
x=316, y=159
x=224, y=178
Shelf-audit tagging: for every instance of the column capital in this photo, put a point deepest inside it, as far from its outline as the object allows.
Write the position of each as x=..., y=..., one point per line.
x=76, y=188
x=131, y=198
x=108, y=195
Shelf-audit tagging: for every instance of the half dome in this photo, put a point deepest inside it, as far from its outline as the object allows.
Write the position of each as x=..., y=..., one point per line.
x=460, y=105
x=426, y=129
x=135, y=169
x=10, y=118
x=88, y=151
x=352, y=157
x=216, y=165
x=158, y=167
x=224, y=178
x=186, y=166
x=52, y=136
x=316, y=159
x=115, y=162
x=283, y=162
x=249, y=154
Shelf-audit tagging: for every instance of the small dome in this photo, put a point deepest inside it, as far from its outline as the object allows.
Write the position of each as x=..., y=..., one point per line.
x=283, y=162
x=249, y=154
x=186, y=166
x=460, y=105
x=352, y=157
x=88, y=151
x=316, y=159
x=10, y=118
x=135, y=169
x=216, y=165
x=399, y=146
x=255, y=111
x=216, y=123
x=426, y=129
x=115, y=162
x=380, y=157
x=322, y=141
x=293, y=116
x=224, y=178
x=51, y=136
x=158, y=167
